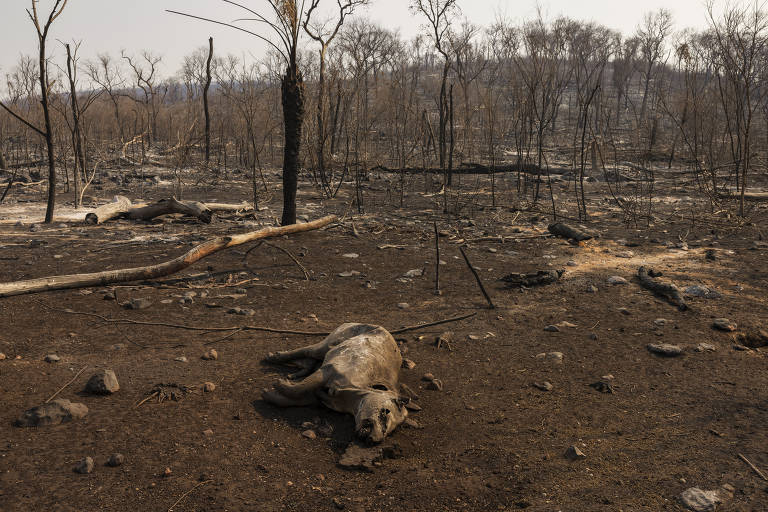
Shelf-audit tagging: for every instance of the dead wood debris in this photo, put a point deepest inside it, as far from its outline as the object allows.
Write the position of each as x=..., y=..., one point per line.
x=539, y=278
x=668, y=291
x=171, y=391
x=566, y=231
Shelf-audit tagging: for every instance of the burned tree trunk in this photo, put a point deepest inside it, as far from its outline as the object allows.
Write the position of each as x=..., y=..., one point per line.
x=668, y=291
x=119, y=206
x=293, y=117
x=205, y=102
x=168, y=206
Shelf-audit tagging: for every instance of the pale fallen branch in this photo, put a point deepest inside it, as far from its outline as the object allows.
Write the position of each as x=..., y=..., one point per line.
x=170, y=509
x=754, y=468
x=154, y=271
x=62, y=388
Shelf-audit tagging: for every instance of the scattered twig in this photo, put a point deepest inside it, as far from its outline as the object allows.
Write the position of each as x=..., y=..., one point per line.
x=477, y=278
x=754, y=468
x=223, y=338
x=432, y=324
x=147, y=399
x=62, y=388
x=170, y=509
x=303, y=269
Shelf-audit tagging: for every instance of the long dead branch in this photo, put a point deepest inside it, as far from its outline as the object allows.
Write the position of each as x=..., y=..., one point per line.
x=668, y=291
x=154, y=271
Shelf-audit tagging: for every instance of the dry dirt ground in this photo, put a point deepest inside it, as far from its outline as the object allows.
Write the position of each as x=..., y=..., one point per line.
x=489, y=440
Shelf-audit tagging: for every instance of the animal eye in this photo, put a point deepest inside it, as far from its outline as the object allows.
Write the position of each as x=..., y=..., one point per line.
x=386, y=411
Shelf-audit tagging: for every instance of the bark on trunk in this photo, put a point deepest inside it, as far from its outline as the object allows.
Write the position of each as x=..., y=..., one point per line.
x=122, y=207
x=48, y=131
x=205, y=102
x=293, y=116
x=154, y=271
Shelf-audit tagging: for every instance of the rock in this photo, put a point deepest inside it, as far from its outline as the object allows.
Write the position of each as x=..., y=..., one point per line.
x=351, y=255
x=602, y=386
x=2, y=356
x=624, y=311
x=349, y=273
x=573, y=453
x=408, y=364
x=211, y=355
x=702, y=291
x=435, y=385
x=54, y=412
x=625, y=254
x=338, y=503
x=115, y=460
x=665, y=349
x=551, y=357
x=85, y=466
x=181, y=359
x=571, y=263
x=616, y=280
x=544, y=386
x=142, y=303
x=705, y=347
x=103, y=382
x=591, y=289
x=552, y=328
x=108, y=296
x=723, y=324
x=359, y=457
x=208, y=432
x=427, y=377
x=118, y=346
x=403, y=305
x=209, y=387
x=309, y=434
x=698, y=500
x=52, y=358
x=566, y=324
x=660, y=322
x=417, y=272
x=241, y=311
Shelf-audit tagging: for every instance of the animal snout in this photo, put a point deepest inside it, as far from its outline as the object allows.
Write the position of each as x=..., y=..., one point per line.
x=365, y=432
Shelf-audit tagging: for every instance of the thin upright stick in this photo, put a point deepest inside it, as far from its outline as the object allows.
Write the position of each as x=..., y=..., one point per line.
x=62, y=388
x=437, y=261
x=477, y=278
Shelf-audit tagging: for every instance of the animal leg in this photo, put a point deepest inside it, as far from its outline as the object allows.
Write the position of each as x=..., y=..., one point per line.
x=316, y=351
x=302, y=388
x=280, y=400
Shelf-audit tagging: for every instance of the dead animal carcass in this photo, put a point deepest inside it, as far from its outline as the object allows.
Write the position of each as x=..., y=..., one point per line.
x=357, y=372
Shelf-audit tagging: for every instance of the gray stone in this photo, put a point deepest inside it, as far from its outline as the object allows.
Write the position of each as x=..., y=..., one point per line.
x=103, y=382
x=705, y=347
x=241, y=311
x=435, y=385
x=660, y=322
x=625, y=254
x=552, y=328
x=349, y=273
x=351, y=255
x=573, y=453
x=141, y=303
x=591, y=289
x=85, y=466
x=408, y=364
x=702, y=291
x=54, y=412
x=52, y=358
x=698, y=500
x=181, y=359
x=403, y=305
x=544, y=386
x=665, y=349
x=417, y=272
x=551, y=357
x=724, y=324
x=115, y=460
x=616, y=280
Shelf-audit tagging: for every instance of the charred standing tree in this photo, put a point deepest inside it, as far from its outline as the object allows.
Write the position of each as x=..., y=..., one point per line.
x=205, y=102
x=42, y=36
x=293, y=118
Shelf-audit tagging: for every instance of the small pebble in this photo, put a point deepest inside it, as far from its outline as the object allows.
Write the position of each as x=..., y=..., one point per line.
x=723, y=324
x=435, y=385
x=181, y=359
x=309, y=434
x=665, y=349
x=209, y=387
x=208, y=432
x=544, y=386
x=85, y=466
x=52, y=358
x=115, y=460
x=616, y=280
x=573, y=453
x=552, y=328
x=211, y=355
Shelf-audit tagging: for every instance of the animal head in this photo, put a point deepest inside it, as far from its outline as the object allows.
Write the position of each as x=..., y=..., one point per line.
x=378, y=413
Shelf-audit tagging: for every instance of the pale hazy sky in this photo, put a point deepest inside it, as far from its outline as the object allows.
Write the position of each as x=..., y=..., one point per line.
x=112, y=25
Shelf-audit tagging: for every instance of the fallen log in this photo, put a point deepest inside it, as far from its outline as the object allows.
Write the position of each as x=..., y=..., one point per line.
x=667, y=291
x=566, y=231
x=748, y=196
x=121, y=207
x=154, y=271
x=169, y=206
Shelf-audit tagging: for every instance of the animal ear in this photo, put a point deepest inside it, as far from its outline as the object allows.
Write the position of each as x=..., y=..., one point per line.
x=402, y=401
